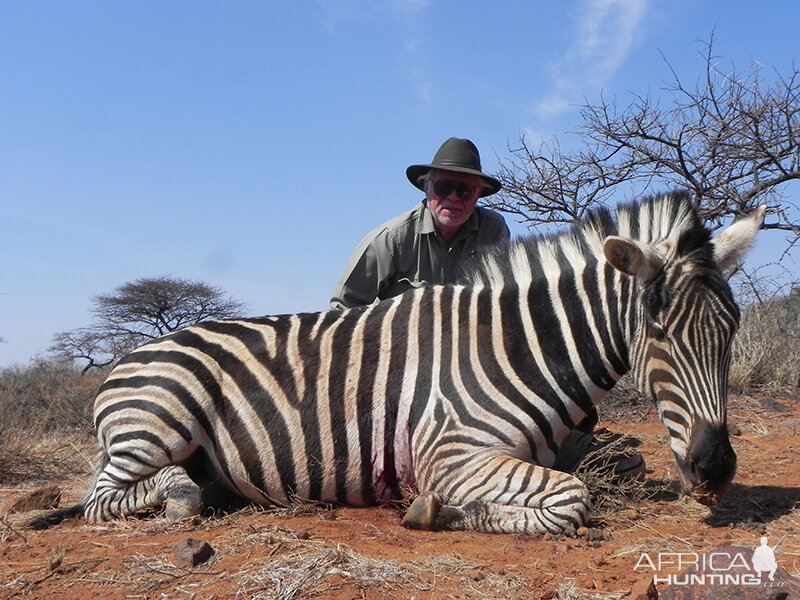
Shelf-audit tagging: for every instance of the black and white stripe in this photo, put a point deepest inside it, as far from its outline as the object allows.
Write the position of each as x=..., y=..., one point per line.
x=467, y=391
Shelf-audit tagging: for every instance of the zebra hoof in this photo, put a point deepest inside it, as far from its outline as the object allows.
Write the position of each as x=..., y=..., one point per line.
x=423, y=511
x=429, y=512
x=183, y=502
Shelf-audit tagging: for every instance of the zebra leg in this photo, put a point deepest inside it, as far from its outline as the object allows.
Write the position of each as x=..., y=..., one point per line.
x=170, y=487
x=601, y=450
x=514, y=497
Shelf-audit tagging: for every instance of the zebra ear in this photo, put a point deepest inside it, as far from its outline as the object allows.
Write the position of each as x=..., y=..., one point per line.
x=732, y=243
x=632, y=258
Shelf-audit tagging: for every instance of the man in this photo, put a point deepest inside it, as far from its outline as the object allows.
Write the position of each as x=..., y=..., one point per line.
x=428, y=244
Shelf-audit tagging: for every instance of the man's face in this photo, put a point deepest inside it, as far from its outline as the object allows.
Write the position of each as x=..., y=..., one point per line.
x=451, y=198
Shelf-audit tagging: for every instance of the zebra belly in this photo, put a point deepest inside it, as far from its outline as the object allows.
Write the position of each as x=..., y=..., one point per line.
x=340, y=466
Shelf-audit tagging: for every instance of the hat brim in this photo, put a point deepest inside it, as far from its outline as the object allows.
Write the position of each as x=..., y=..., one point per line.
x=414, y=172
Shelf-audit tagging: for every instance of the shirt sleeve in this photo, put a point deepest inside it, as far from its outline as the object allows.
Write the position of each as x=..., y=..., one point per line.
x=368, y=272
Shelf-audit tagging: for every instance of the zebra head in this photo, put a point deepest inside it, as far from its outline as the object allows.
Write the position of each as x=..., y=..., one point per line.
x=685, y=318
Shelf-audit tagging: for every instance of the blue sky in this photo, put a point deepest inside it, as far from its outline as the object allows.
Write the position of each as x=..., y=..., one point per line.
x=252, y=144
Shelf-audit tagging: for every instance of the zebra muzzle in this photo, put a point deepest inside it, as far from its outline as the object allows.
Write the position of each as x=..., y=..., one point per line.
x=710, y=465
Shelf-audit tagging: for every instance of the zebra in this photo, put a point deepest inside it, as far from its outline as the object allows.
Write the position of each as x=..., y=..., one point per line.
x=463, y=393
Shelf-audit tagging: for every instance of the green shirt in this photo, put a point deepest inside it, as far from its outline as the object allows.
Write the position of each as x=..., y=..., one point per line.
x=407, y=252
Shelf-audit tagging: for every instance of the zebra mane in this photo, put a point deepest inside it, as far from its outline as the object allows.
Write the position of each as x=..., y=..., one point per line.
x=669, y=219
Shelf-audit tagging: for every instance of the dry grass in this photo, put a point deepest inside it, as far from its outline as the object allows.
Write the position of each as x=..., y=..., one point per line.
x=48, y=396
x=766, y=349
x=308, y=572
x=300, y=507
x=569, y=590
x=24, y=459
x=281, y=566
x=45, y=421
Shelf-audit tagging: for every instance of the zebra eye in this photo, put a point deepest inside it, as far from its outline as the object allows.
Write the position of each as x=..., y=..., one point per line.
x=656, y=331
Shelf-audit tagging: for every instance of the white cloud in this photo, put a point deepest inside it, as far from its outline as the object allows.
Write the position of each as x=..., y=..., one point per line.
x=604, y=34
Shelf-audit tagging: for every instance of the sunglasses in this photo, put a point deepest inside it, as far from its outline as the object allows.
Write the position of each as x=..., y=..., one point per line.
x=444, y=187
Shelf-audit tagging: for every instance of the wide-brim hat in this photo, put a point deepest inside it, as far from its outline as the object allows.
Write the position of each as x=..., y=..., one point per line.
x=457, y=155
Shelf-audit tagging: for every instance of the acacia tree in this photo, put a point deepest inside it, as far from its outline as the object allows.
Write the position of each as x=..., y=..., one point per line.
x=141, y=311
x=732, y=140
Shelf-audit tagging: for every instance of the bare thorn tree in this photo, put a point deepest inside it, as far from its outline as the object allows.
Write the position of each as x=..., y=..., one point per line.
x=733, y=140
x=86, y=343
x=141, y=311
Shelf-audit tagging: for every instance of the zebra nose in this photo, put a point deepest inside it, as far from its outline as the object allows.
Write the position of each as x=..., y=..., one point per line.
x=710, y=465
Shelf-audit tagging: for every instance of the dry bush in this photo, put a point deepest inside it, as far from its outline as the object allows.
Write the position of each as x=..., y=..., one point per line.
x=766, y=350
x=48, y=396
x=45, y=420
x=610, y=493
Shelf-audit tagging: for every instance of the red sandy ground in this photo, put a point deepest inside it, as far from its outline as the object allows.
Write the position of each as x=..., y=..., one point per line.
x=348, y=553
